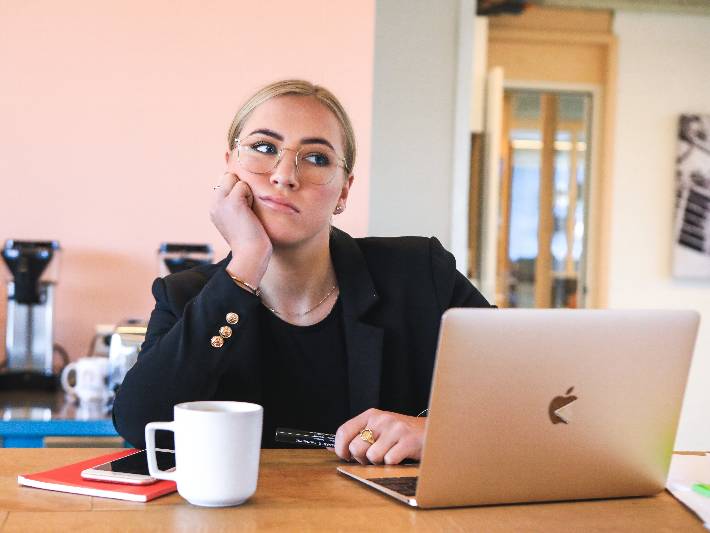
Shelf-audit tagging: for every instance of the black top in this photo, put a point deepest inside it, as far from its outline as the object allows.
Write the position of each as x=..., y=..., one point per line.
x=393, y=292
x=306, y=376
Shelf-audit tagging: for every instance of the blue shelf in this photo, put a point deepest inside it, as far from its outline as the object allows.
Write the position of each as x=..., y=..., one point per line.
x=31, y=433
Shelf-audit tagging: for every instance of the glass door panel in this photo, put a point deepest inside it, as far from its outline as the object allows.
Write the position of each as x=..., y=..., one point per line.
x=543, y=193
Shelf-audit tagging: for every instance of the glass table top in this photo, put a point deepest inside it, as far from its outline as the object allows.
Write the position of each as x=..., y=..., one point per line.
x=46, y=406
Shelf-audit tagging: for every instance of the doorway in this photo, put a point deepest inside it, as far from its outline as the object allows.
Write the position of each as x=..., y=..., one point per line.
x=539, y=194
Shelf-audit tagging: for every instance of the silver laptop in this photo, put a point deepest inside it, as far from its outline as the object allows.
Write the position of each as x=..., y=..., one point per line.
x=539, y=405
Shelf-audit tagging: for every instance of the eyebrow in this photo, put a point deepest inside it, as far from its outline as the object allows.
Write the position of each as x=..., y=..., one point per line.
x=307, y=140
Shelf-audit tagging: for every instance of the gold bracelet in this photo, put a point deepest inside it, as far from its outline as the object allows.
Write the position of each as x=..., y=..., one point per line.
x=254, y=290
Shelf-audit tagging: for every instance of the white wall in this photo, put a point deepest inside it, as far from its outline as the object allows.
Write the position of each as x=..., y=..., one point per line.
x=664, y=70
x=422, y=79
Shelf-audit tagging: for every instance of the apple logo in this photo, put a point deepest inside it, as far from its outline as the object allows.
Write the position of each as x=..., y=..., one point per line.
x=557, y=403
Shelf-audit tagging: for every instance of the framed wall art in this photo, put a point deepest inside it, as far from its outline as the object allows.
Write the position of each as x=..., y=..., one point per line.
x=691, y=249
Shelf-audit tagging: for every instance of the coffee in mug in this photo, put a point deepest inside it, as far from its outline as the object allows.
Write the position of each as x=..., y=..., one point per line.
x=217, y=447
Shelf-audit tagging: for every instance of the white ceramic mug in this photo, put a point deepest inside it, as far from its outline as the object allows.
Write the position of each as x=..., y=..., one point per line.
x=91, y=381
x=217, y=446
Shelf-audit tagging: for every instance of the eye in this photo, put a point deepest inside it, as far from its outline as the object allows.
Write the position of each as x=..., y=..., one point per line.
x=264, y=147
x=317, y=159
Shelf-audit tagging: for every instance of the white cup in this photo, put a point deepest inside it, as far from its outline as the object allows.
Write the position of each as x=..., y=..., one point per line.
x=91, y=381
x=217, y=446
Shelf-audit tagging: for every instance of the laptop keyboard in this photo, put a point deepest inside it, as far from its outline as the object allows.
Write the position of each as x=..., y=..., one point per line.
x=406, y=486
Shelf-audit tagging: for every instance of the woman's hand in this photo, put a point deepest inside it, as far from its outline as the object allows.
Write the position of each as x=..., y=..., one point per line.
x=397, y=437
x=232, y=214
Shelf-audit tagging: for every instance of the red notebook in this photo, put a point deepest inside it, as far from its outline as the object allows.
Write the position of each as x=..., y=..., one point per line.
x=68, y=479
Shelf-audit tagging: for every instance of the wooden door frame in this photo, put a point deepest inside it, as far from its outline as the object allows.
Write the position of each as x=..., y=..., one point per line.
x=598, y=221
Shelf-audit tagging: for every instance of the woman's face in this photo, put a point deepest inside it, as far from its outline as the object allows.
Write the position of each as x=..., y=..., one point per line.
x=293, y=209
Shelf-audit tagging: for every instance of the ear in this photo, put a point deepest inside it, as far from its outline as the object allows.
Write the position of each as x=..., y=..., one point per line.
x=342, y=199
x=226, y=157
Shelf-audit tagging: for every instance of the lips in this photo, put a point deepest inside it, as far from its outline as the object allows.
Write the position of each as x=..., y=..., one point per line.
x=279, y=204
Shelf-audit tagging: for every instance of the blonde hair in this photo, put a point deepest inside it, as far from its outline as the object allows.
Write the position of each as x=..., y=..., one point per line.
x=297, y=88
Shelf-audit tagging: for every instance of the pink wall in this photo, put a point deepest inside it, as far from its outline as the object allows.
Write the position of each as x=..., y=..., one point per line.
x=113, y=119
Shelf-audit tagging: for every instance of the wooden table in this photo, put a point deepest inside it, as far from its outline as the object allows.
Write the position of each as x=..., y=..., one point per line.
x=299, y=490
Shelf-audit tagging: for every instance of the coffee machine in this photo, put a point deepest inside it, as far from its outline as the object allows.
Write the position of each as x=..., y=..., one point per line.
x=176, y=257
x=33, y=268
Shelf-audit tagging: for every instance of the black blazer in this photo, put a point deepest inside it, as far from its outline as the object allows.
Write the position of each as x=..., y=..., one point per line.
x=393, y=293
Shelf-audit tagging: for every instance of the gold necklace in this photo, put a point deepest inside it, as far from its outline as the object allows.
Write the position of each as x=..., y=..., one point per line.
x=332, y=289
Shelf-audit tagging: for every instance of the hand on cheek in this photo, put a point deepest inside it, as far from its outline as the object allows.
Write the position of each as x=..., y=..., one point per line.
x=396, y=438
x=232, y=214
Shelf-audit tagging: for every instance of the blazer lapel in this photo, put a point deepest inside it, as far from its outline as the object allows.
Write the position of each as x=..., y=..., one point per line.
x=363, y=342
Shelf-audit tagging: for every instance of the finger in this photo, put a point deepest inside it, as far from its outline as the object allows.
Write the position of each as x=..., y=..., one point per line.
x=376, y=452
x=358, y=450
x=225, y=184
x=242, y=192
x=346, y=433
x=404, y=449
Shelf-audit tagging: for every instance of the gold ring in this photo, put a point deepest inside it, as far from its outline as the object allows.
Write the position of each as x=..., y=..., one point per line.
x=367, y=435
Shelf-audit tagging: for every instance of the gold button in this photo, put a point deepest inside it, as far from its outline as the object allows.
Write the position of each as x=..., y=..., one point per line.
x=217, y=342
x=225, y=331
x=232, y=318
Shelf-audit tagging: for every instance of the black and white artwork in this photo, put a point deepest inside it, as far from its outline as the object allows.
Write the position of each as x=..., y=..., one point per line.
x=691, y=251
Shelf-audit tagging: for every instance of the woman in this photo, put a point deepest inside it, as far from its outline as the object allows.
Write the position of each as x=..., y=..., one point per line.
x=325, y=331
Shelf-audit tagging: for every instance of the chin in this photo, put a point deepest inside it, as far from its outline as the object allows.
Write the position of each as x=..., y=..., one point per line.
x=285, y=234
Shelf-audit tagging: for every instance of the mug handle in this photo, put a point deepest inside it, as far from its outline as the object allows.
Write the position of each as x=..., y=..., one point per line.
x=65, y=378
x=150, y=429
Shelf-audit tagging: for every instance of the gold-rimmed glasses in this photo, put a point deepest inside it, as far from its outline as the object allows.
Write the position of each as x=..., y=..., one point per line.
x=315, y=163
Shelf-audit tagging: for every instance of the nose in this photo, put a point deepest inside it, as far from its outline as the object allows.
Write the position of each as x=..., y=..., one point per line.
x=284, y=175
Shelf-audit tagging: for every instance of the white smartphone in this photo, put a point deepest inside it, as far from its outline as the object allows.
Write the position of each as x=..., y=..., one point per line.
x=131, y=469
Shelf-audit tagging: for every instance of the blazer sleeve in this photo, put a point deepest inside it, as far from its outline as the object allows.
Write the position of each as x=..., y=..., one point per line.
x=177, y=362
x=452, y=288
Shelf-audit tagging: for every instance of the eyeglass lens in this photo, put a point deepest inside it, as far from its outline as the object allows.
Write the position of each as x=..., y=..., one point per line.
x=314, y=163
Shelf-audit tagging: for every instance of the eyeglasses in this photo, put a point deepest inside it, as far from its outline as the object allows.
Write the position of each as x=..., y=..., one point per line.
x=315, y=164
